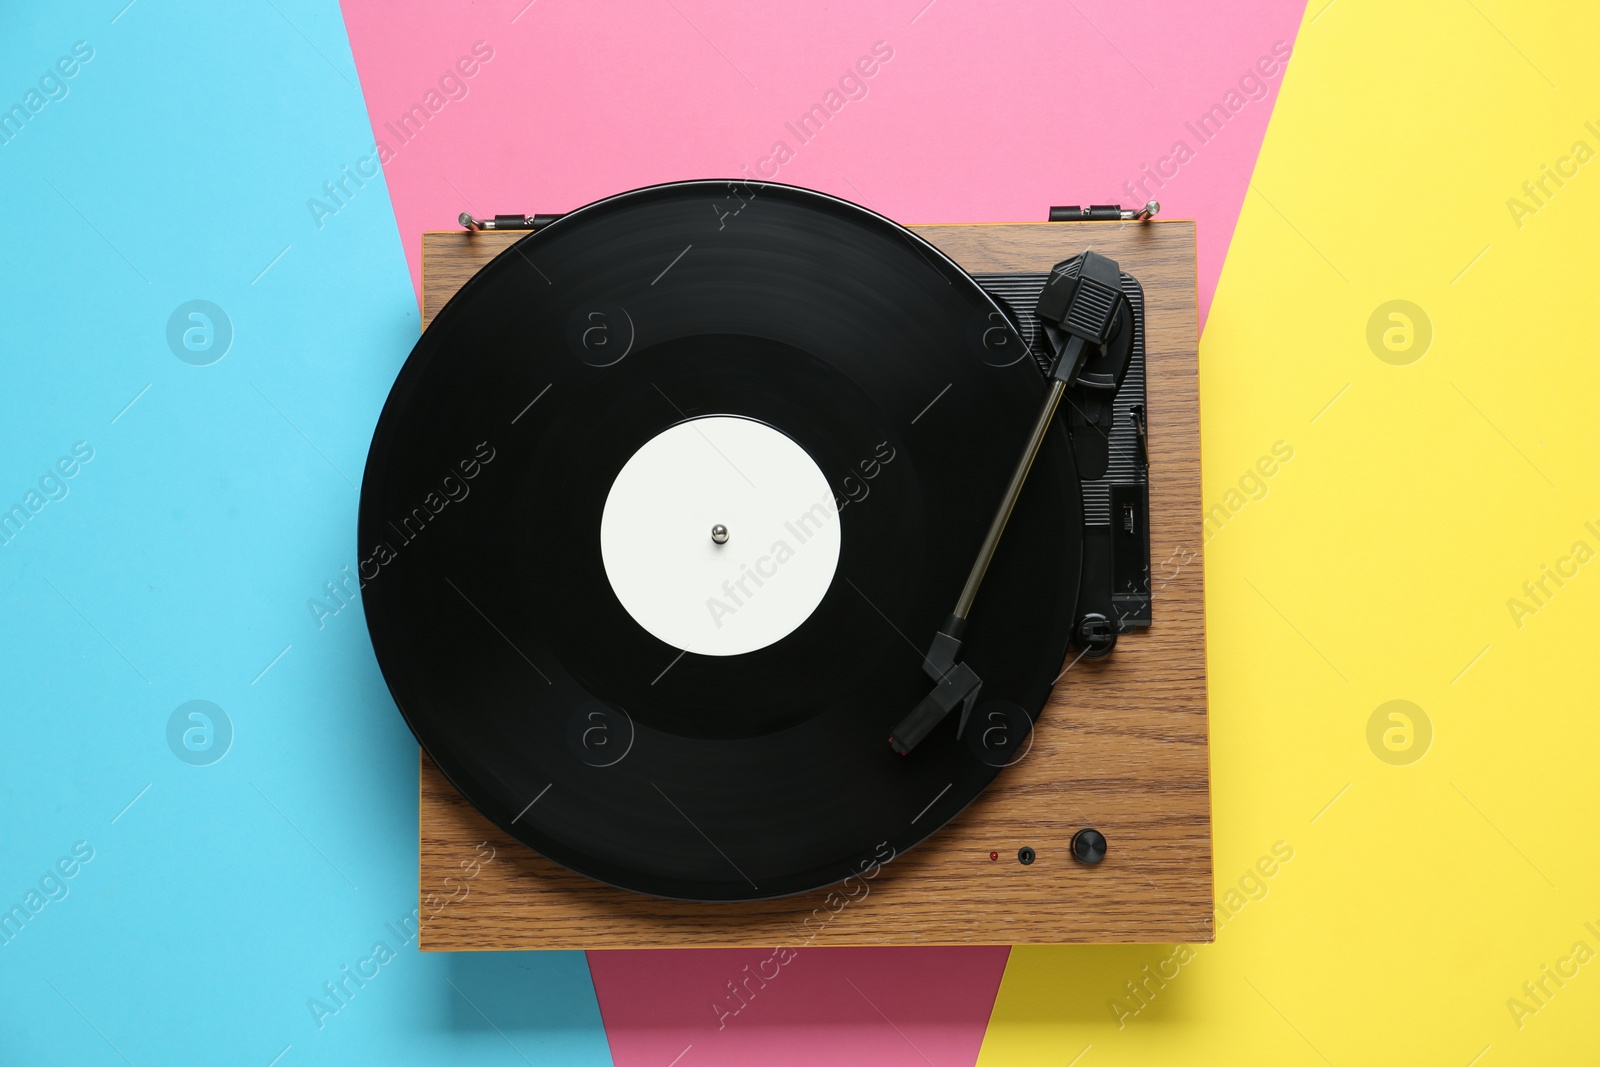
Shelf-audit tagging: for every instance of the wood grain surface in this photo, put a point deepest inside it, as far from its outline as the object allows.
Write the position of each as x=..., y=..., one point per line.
x=1122, y=745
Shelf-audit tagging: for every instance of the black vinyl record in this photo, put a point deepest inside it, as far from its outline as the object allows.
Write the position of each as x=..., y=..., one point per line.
x=561, y=718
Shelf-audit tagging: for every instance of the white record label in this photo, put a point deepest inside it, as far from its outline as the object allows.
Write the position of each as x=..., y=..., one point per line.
x=764, y=580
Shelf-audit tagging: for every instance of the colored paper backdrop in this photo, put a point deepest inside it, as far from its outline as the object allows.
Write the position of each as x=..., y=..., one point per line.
x=213, y=217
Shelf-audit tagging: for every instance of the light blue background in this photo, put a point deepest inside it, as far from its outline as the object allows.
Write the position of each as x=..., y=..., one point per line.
x=177, y=168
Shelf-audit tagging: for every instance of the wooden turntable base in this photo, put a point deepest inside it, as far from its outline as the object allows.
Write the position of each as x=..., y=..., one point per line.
x=1122, y=745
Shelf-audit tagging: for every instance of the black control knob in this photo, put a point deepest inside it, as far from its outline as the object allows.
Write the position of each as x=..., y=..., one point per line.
x=1089, y=846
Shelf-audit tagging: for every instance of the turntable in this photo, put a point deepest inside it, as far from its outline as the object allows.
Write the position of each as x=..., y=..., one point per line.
x=756, y=571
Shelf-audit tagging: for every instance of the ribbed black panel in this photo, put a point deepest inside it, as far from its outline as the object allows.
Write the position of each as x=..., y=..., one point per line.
x=1020, y=292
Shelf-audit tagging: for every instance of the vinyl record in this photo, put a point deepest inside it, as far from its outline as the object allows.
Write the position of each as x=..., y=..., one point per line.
x=602, y=677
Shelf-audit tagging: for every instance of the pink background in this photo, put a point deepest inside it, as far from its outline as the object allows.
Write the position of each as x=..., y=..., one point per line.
x=985, y=113
x=886, y=1006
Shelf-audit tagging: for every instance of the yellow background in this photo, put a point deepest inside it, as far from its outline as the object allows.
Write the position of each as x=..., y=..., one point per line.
x=1378, y=567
